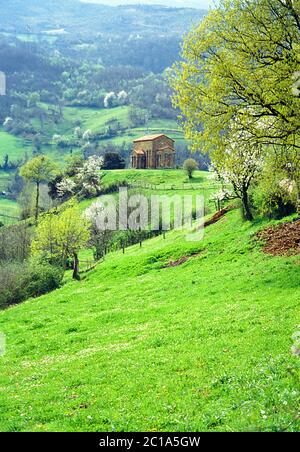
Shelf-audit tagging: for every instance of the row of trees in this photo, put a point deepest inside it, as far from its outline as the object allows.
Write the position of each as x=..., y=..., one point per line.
x=81, y=178
x=237, y=88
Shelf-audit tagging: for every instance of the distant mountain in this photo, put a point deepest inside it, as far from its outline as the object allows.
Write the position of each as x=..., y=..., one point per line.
x=199, y=4
x=76, y=17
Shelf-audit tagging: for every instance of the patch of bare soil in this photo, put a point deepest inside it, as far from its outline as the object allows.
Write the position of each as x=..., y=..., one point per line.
x=281, y=240
x=180, y=261
x=218, y=215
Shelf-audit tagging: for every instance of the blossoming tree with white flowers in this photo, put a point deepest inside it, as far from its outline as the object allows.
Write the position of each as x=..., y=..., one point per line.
x=89, y=177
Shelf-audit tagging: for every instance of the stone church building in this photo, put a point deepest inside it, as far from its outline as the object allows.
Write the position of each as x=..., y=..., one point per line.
x=153, y=152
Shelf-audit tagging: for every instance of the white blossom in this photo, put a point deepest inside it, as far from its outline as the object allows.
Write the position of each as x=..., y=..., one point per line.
x=287, y=185
x=122, y=97
x=65, y=187
x=109, y=99
x=89, y=177
x=77, y=132
x=87, y=135
x=7, y=121
x=56, y=138
x=222, y=195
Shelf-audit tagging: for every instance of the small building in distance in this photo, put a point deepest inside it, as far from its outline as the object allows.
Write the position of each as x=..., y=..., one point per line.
x=153, y=152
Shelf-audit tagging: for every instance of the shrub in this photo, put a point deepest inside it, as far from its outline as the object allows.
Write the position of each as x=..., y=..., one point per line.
x=275, y=197
x=190, y=166
x=15, y=242
x=20, y=281
x=42, y=278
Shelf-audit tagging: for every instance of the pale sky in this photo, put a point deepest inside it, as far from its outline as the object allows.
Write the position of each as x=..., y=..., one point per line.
x=204, y=4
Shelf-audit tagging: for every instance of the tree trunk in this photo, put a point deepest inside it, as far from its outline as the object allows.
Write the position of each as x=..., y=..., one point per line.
x=298, y=202
x=76, y=268
x=247, y=211
x=37, y=202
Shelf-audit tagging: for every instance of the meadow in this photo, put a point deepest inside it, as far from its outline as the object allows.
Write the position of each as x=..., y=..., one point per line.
x=160, y=182
x=97, y=120
x=9, y=211
x=141, y=344
x=176, y=178
x=13, y=146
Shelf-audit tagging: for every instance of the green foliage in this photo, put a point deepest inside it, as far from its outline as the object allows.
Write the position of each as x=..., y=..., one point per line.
x=113, y=161
x=20, y=281
x=39, y=169
x=240, y=67
x=190, y=166
x=61, y=235
x=15, y=242
x=274, y=196
x=247, y=73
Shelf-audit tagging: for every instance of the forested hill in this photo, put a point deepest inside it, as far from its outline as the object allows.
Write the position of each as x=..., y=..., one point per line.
x=73, y=16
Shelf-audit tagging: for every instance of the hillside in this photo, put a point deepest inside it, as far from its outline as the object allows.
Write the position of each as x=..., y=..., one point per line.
x=74, y=16
x=143, y=345
x=63, y=59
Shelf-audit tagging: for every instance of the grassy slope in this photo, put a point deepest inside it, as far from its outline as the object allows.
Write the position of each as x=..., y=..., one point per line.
x=95, y=119
x=8, y=207
x=166, y=182
x=13, y=146
x=203, y=346
x=176, y=178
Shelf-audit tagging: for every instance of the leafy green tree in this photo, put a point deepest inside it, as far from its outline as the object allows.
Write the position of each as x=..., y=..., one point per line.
x=5, y=165
x=38, y=170
x=241, y=64
x=112, y=160
x=190, y=166
x=33, y=99
x=239, y=165
x=60, y=236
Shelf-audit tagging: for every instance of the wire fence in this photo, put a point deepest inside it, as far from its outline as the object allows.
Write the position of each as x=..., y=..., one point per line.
x=7, y=219
x=86, y=266
x=163, y=187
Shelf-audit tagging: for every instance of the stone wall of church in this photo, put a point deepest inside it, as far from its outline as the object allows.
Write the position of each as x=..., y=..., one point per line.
x=147, y=147
x=151, y=147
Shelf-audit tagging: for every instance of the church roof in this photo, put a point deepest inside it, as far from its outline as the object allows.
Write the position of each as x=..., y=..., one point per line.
x=139, y=152
x=151, y=138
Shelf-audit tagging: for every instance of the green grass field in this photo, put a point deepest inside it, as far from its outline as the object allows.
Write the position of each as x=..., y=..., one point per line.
x=136, y=346
x=13, y=146
x=95, y=119
x=176, y=178
x=130, y=135
x=8, y=208
x=162, y=182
